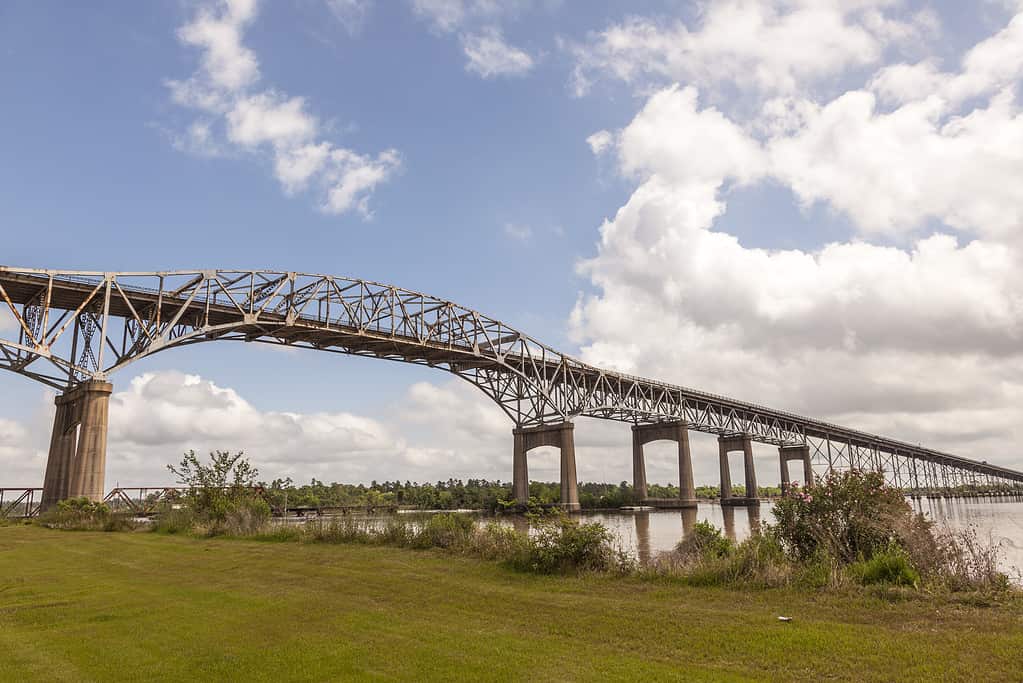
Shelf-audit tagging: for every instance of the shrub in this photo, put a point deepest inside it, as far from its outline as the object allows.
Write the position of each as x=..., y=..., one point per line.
x=848, y=516
x=561, y=544
x=122, y=522
x=83, y=514
x=857, y=521
x=79, y=514
x=819, y=571
x=245, y=516
x=218, y=487
x=705, y=541
x=759, y=561
x=396, y=532
x=889, y=566
x=445, y=530
x=83, y=506
x=500, y=542
x=337, y=530
x=280, y=533
x=174, y=520
x=220, y=499
x=967, y=563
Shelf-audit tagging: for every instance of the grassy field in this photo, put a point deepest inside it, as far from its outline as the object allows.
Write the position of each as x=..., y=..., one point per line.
x=77, y=606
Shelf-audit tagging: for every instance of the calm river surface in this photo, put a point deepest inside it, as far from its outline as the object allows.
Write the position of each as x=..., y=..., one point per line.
x=647, y=533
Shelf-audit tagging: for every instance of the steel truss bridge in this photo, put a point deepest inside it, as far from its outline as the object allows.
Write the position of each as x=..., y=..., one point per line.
x=70, y=329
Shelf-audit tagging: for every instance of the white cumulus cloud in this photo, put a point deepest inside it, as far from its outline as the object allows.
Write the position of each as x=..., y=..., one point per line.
x=600, y=141
x=234, y=112
x=910, y=327
x=489, y=55
x=769, y=45
x=434, y=430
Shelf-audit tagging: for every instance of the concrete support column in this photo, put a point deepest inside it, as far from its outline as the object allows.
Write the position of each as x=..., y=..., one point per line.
x=808, y=478
x=800, y=452
x=569, y=479
x=62, y=447
x=520, y=470
x=726, y=474
x=738, y=442
x=562, y=437
x=686, y=487
x=76, y=465
x=750, y=469
x=638, y=465
x=677, y=431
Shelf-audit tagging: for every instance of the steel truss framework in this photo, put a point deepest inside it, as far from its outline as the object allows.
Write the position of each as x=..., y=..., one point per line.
x=20, y=502
x=64, y=327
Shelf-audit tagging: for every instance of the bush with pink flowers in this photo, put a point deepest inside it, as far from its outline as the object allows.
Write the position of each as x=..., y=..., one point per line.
x=849, y=516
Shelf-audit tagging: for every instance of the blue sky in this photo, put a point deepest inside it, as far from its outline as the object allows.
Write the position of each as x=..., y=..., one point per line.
x=89, y=122
x=807, y=203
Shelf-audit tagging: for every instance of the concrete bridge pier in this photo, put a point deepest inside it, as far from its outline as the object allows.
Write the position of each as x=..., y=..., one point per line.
x=737, y=442
x=786, y=453
x=76, y=465
x=677, y=431
x=561, y=436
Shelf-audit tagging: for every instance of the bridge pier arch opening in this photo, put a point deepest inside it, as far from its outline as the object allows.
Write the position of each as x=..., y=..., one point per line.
x=562, y=437
x=677, y=431
x=76, y=464
x=800, y=452
x=737, y=442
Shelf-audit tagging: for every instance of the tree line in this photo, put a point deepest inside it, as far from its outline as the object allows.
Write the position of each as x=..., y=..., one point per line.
x=471, y=494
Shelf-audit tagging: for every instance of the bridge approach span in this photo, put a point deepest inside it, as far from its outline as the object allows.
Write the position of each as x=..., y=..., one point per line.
x=72, y=330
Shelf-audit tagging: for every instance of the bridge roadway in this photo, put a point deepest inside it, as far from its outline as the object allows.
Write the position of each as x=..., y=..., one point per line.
x=74, y=329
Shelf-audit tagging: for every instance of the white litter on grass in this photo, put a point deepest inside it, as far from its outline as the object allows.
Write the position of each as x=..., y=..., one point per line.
x=784, y=618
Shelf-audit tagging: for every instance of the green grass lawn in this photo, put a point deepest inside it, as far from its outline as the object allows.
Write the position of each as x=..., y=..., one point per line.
x=77, y=606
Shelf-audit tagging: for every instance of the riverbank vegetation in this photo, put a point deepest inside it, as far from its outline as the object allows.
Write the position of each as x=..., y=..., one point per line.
x=850, y=530
x=145, y=606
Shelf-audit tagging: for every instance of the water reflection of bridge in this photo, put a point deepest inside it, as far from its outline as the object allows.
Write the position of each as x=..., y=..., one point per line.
x=73, y=330
x=687, y=517
x=995, y=518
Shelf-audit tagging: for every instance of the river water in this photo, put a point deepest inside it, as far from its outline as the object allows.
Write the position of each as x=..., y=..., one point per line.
x=647, y=533
x=644, y=534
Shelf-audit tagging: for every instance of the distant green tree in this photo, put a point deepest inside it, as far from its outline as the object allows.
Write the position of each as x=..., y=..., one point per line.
x=219, y=486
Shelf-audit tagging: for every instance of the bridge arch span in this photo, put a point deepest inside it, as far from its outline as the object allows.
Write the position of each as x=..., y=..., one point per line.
x=99, y=323
x=74, y=329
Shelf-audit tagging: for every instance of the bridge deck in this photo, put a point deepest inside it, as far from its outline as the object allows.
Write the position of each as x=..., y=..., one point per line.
x=457, y=339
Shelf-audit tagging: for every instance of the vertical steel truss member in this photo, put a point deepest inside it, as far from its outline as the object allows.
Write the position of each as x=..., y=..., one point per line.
x=562, y=437
x=676, y=431
x=63, y=328
x=737, y=442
